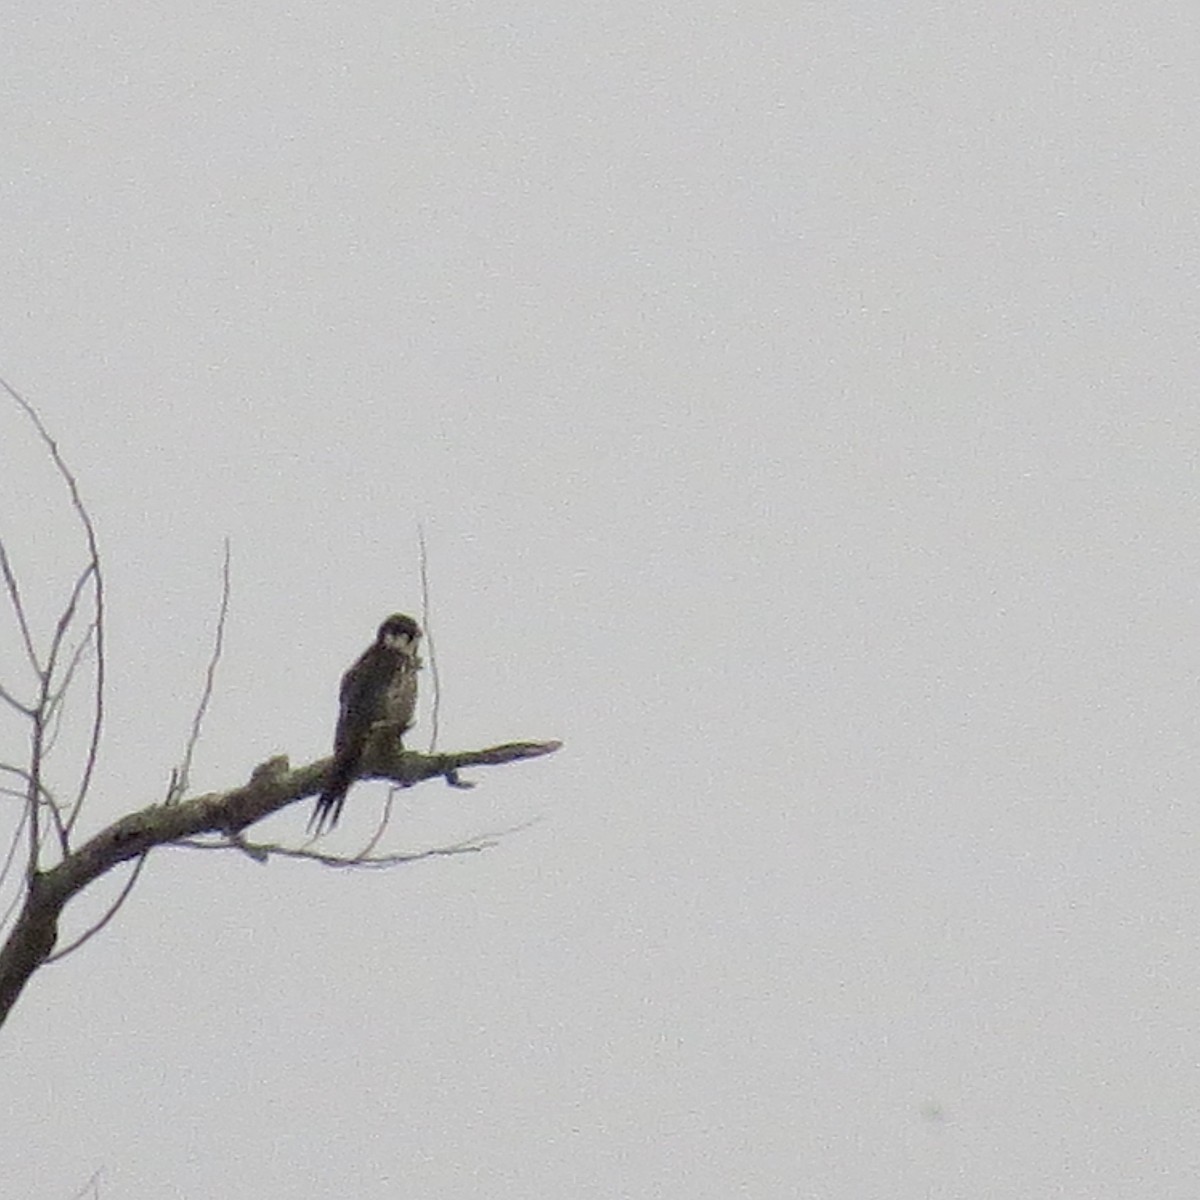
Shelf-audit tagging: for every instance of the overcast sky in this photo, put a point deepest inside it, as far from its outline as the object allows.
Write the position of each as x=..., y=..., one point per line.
x=800, y=402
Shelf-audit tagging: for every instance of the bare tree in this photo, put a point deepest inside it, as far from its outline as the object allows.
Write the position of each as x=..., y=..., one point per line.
x=45, y=865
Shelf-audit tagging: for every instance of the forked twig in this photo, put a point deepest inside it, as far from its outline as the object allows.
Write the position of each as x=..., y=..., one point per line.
x=97, y=579
x=94, y=572
x=64, y=621
x=262, y=851
x=54, y=699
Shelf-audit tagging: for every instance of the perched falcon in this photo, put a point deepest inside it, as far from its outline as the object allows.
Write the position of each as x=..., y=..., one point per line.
x=377, y=699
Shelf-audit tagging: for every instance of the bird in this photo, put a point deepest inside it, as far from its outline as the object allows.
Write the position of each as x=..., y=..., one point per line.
x=377, y=698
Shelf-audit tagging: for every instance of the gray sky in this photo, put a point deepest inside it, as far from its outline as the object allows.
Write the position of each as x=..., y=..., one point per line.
x=800, y=402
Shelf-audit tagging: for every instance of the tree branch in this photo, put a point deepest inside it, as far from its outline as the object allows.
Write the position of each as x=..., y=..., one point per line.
x=14, y=597
x=93, y=573
x=272, y=786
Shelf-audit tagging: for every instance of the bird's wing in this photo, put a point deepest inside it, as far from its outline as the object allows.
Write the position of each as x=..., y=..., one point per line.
x=360, y=695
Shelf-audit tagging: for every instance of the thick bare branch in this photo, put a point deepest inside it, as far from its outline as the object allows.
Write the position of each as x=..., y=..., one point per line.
x=272, y=786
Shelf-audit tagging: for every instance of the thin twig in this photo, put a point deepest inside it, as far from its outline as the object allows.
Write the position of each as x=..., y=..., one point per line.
x=64, y=842
x=14, y=596
x=64, y=621
x=54, y=700
x=31, y=804
x=114, y=908
x=381, y=828
x=50, y=703
x=26, y=810
x=97, y=577
x=9, y=859
x=180, y=782
x=92, y=1186
x=10, y=699
x=21, y=773
x=426, y=625
x=261, y=851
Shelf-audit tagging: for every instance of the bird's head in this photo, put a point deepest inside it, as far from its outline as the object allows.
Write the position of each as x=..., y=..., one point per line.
x=399, y=633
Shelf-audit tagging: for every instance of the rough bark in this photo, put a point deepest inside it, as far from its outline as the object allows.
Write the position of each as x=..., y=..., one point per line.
x=273, y=785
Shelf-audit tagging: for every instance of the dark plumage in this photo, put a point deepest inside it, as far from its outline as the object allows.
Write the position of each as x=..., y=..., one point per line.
x=377, y=699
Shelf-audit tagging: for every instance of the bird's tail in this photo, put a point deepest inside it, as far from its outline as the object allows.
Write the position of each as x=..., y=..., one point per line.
x=329, y=803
